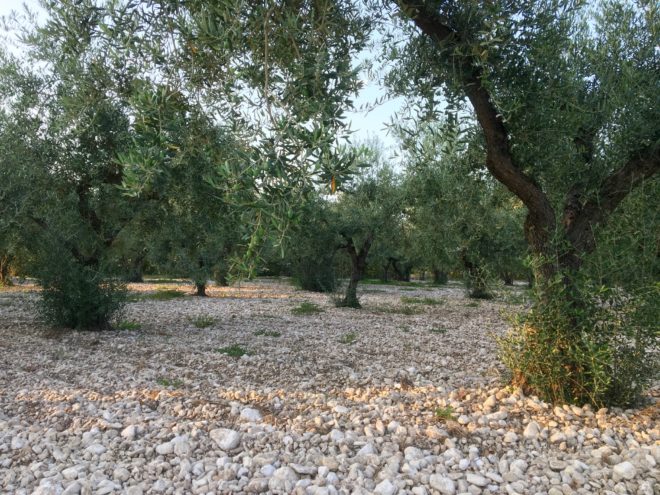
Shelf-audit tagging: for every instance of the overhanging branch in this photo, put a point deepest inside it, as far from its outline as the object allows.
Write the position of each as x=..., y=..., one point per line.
x=499, y=159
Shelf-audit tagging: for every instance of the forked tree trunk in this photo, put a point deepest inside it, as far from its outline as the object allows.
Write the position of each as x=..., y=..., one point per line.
x=583, y=212
x=200, y=289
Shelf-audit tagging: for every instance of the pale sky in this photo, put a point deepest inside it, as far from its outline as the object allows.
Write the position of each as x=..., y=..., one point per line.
x=366, y=125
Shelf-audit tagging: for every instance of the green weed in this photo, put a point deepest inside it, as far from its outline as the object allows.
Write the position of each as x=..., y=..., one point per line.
x=233, y=351
x=166, y=382
x=128, y=325
x=444, y=413
x=348, y=338
x=307, y=308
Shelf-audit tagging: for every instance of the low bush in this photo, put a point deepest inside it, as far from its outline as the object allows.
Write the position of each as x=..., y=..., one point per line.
x=594, y=346
x=75, y=296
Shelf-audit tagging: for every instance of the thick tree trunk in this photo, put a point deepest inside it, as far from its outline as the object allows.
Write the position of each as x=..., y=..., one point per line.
x=5, y=270
x=200, y=289
x=439, y=277
x=350, y=298
x=507, y=278
x=385, y=277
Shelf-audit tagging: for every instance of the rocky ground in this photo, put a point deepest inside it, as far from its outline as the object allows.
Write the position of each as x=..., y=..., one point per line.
x=402, y=397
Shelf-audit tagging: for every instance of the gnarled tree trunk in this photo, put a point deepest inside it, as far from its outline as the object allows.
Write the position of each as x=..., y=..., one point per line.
x=358, y=269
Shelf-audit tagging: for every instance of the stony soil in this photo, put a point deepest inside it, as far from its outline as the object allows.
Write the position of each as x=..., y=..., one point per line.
x=396, y=398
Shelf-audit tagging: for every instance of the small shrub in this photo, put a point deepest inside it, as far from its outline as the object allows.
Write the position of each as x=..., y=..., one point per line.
x=586, y=346
x=75, y=296
x=307, y=308
x=165, y=295
x=202, y=321
x=478, y=280
x=444, y=413
x=438, y=330
x=267, y=333
x=128, y=325
x=235, y=351
x=348, y=338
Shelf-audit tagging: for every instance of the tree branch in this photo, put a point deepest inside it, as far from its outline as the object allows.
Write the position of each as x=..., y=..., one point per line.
x=581, y=220
x=499, y=159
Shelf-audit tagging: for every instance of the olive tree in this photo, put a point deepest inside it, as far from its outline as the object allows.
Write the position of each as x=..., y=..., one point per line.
x=566, y=97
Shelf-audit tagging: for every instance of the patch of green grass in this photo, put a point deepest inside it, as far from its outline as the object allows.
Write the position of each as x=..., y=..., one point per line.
x=444, y=413
x=473, y=304
x=404, y=328
x=438, y=330
x=202, y=321
x=307, y=308
x=422, y=300
x=398, y=310
x=128, y=325
x=267, y=333
x=165, y=295
x=233, y=351
x=166, y=382
x=348, y=338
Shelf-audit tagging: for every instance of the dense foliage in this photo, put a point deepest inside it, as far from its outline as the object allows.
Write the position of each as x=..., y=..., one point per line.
x=183, y=136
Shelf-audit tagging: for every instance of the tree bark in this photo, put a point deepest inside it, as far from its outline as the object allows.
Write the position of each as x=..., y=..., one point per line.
x=507, y=278
x=581, y=215
x=200, y=289
x=358, y=269
x=439, y=277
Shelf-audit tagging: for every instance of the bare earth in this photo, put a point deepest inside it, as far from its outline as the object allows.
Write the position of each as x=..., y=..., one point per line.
x=343, y=401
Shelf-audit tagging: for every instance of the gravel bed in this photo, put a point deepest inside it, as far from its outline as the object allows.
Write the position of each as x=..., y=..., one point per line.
x=402, y=397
